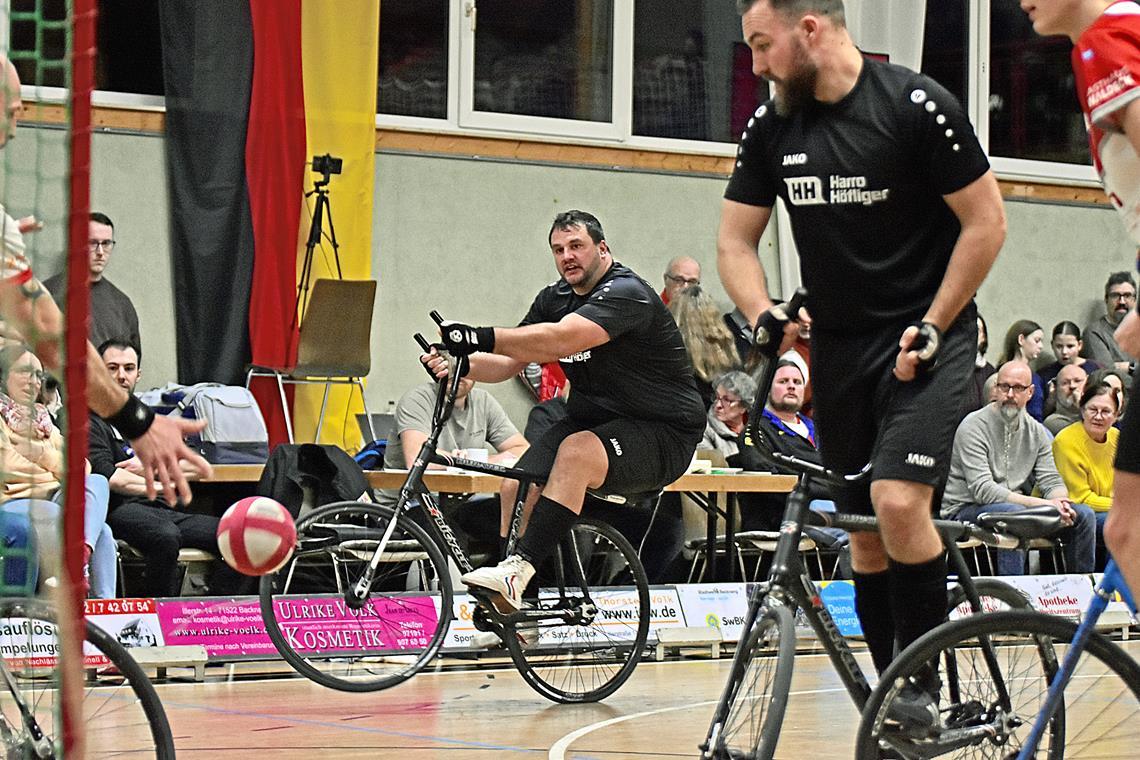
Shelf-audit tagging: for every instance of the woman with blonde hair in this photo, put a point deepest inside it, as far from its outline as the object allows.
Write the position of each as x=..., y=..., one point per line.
x=711, y=346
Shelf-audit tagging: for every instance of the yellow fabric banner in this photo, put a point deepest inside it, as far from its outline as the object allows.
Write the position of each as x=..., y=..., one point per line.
x=339, y=54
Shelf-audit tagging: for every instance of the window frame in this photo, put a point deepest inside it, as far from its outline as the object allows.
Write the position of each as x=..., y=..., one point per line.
x=462, y=119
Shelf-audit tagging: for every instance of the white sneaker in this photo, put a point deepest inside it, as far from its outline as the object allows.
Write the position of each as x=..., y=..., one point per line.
x=507, y=579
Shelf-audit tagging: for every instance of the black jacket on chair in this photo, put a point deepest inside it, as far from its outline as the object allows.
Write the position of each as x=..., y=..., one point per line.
x=329, y=471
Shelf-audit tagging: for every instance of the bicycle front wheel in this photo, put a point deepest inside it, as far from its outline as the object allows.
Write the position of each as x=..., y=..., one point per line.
x=121, y=713
x=584, y=642
x=1097, y=717
x=314, y=620
x=757, y=692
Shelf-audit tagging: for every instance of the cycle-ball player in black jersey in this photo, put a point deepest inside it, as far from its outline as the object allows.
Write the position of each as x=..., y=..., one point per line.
x=635, y=416
x=897, y=220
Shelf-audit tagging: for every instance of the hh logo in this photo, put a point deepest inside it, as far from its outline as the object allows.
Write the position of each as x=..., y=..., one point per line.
x=805, y=191
x=920, y=460
x=795, y=159
x=616, y=445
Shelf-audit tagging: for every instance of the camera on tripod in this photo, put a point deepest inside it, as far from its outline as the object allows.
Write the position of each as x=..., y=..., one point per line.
x=327, y=165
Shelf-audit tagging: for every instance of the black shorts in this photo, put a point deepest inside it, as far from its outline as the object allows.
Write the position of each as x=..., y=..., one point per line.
x=864, y=414
x=643, y=455
x=1128, y=447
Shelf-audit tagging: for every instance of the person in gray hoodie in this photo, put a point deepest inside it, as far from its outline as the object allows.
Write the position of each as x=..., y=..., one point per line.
x=1001, y=456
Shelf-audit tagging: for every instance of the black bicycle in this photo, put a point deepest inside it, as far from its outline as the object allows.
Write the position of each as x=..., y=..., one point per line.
x=747, y=719
x=366, y=600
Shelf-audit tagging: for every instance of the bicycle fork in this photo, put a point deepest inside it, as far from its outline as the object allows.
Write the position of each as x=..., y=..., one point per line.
x=1112, y=583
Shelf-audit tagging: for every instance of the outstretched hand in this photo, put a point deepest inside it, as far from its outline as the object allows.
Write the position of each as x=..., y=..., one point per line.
x=1128, y=334
x=160, y=449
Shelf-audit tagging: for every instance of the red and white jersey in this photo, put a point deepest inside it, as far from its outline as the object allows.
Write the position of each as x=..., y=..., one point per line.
x=1106, y=61
x=14, y=266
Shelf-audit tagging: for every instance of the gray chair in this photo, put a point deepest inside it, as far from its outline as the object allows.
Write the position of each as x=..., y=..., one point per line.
x=333, y=347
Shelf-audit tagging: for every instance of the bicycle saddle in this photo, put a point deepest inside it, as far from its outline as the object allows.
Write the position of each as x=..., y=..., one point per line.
x=1031, y=522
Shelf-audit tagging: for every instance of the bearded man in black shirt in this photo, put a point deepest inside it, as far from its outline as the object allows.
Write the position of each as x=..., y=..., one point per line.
x=634, y=414
x=897, y=219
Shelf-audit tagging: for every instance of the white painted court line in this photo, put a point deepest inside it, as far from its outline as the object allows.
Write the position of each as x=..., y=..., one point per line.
x=558, y=749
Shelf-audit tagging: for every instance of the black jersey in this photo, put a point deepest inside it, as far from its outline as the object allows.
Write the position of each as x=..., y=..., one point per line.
x=643, y=372
x=863, y=180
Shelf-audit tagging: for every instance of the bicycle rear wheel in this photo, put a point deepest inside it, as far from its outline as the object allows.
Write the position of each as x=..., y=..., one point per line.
x=311, y=619
x=757, y=691
x=122, y=714
x=1097, y=717
x=588, y=643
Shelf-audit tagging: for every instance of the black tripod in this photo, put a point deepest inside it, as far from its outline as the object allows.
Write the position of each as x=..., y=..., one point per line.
x=320, y=211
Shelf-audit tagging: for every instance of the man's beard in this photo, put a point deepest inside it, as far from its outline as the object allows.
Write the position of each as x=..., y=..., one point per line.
x=792, y=407
x=1067, y=403
x=798, y=90
x=1009, y=412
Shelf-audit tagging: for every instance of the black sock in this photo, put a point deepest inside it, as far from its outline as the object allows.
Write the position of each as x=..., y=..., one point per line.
x=549, y=523
x=502, y=547
x=918, y=593
x=873, y=606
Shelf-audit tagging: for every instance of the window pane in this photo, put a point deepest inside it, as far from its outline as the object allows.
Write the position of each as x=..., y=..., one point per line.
x=692, y=76
x=550, y=58
x=945, y=45
x=413, y=58
x=1034, y=112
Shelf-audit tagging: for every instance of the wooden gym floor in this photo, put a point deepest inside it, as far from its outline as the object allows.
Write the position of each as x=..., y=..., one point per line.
x=661, y=712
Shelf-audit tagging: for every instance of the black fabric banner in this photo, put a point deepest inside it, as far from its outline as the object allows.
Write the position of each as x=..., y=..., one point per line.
x=207, y=58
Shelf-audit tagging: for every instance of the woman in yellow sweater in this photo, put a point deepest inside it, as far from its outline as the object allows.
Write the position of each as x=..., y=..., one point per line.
x=1084, y=452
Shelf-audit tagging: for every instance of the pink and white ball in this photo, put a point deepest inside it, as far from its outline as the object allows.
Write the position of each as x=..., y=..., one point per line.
x=256, y=535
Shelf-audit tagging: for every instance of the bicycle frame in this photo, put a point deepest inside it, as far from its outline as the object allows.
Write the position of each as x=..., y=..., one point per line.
x=414, y=493
x=790, y=584
x=1111, y=584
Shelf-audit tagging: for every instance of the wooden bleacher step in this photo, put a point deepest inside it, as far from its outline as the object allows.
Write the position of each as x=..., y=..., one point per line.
x=700, y=638
x=177, y=656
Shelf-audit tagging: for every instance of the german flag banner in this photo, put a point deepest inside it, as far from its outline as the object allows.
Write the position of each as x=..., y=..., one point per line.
x=253, y=89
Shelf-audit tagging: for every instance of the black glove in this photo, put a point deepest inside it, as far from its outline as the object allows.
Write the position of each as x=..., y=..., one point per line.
x=928, y=344
x=769, y=332
x=461, y=340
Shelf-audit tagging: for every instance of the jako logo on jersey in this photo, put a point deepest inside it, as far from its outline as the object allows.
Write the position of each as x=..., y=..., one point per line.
x=804, y=191
x=795, y=159
x=616, y=445
x=581, y=356
x=920, y=460
x=1087, y=55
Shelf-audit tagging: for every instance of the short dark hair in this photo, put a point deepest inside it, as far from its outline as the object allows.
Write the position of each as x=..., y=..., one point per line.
x=833, y=9
x=1066, y=327
x=100, y=218
x=569, y=219
x=1119, y=278
x=122, y=344
x=1100, y=389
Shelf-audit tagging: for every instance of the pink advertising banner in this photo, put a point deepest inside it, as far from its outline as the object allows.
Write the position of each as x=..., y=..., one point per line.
x=229, y=628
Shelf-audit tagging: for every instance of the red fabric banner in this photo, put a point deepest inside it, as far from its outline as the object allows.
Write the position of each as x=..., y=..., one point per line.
x=275, y=174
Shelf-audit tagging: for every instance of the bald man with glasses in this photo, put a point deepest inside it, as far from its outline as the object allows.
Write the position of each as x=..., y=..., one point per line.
x=1001, y=456
x=113, y=315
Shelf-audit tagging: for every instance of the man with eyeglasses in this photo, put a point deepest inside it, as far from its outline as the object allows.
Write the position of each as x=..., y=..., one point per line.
x=113, y=315
x=1001, y=457
x=682, y=272
x=1099, y=336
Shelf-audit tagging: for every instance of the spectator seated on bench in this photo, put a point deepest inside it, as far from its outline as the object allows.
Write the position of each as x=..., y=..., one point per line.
x=154, y=529
x=32, y=463
x=478, y=429
x=1001, y=455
